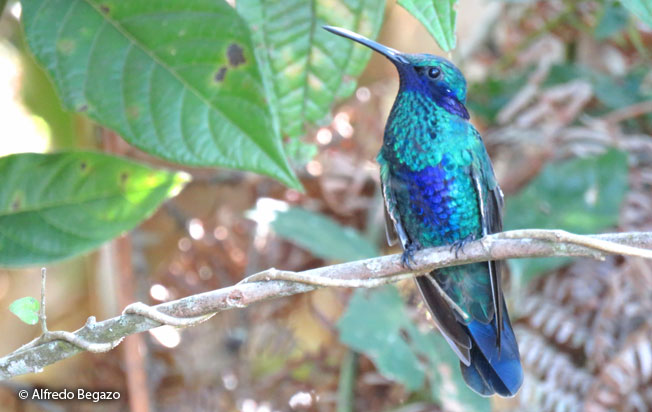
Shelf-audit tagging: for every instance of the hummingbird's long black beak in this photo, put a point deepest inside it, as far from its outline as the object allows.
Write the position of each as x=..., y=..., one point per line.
x=393, y=55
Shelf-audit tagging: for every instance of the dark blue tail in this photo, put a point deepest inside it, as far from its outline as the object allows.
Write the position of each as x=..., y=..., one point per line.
x=493, y=371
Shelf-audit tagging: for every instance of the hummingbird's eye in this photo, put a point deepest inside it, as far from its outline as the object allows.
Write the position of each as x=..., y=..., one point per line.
x=434, y=73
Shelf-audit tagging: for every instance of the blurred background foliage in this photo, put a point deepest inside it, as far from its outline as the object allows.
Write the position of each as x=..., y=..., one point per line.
x=562, y=93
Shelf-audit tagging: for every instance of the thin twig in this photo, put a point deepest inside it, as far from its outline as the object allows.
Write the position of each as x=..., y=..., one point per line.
x=322, y=281
x=562, y=237
x=42, y=317
x=139, y=308
x=105, y=335
x=78, y=341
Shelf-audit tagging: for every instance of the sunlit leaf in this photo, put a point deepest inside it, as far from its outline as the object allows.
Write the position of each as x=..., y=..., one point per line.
x=304, y=67
x=438, y=16
x=579, y=195
x=40, y=98
x=55, y=206
x=26, y=309
x=641, y=9
x=377, y=324
x=178, y=79
x=322, y=236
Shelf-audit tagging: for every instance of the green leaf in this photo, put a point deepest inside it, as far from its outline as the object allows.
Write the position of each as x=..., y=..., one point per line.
x=177, y=79
x=304, y=67
x=613, y=20
x=616, y=93
x=53, y=206
x=447, y=385
x=372, y=324
x=563, y=73
x=26, y=309
x=641, y=9
x=322, y=236
x=377, y=324
x=613, y=92
x=438, y=16
x=580, y=195
x=300, y=152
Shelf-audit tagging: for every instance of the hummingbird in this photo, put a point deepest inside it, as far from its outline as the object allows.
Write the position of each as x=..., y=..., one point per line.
x=440, y=189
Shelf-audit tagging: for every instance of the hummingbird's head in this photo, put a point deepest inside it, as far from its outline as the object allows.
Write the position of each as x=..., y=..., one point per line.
x=431, y=75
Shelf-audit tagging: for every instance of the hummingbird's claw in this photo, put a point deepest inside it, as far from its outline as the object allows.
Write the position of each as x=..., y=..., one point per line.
x=408, y=256
x=459, y=245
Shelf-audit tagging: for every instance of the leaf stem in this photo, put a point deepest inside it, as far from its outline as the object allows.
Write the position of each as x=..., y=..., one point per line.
x=346, y=386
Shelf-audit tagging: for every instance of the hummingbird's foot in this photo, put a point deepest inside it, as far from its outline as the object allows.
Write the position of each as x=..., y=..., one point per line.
x=408, y=255
x=459, y=245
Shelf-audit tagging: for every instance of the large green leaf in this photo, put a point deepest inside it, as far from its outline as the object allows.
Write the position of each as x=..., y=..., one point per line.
x=377, y=324
x=438, y=16
x=54, y=206
x=177, y=79
x=641, y=9
x=305, y=68
x=322, y=236
x=579, y=195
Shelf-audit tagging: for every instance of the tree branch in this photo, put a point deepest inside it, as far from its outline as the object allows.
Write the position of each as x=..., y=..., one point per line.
x=272, y=283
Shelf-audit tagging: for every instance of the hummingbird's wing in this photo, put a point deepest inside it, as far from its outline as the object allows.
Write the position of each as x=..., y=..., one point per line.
x=490, y=198
x=390, y=228
x=441, y=311
x=393, y=227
